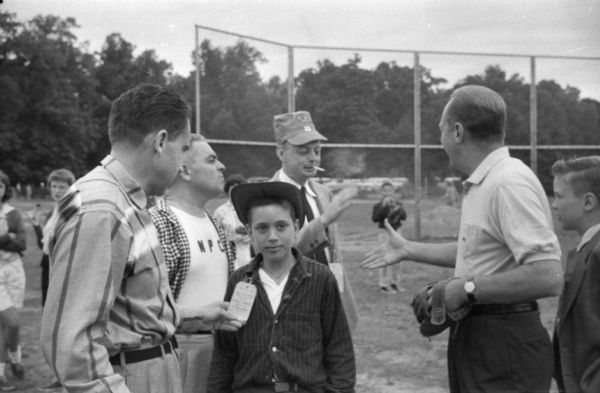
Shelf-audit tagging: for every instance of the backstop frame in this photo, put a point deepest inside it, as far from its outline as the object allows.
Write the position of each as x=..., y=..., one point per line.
x=417, y=146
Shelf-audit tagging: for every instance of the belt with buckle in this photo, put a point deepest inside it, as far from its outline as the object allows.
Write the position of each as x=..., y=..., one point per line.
x=502, y=309
x=285, y=387
x=139, y=355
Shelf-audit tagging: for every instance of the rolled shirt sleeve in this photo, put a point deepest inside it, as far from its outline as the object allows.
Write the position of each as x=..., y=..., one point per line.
x=506, y=220
x=523, y=220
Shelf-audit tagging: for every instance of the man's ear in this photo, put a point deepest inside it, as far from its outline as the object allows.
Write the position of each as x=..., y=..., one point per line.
x=185, y=172
x=279, y=152
x=160, y=140
x=459, y=132
x=590, y=202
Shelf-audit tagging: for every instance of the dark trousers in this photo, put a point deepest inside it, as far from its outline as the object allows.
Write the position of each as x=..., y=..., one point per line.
x=45, y=276
x=500, y=353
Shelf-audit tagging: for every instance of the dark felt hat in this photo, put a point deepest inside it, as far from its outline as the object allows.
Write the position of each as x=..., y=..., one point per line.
x=243, y=194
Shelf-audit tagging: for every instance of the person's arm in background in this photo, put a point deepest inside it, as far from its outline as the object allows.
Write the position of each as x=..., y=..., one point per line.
x=380, y=212
x=233, y=228
x=15, y=239
x=37, y=224
x=402, y=212
x=89, y=258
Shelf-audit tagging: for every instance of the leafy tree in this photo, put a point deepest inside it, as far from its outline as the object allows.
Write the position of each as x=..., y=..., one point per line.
x=55, y=99
x=235, y=103
x=49, y=79
x=118, y=70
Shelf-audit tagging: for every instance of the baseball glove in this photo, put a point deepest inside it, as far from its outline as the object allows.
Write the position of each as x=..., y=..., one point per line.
x=429, y=306
x=396, y=215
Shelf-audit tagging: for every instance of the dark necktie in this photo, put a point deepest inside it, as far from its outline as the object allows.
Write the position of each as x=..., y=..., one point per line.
x=319, y=256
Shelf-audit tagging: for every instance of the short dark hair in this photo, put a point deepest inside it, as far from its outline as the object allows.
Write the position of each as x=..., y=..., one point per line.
x=234, y=180
x=266, y=201
x=8, y=189
x=583, y=174
x=146, y=109
x=386, y=183
x=62, y=175
x=480, y=110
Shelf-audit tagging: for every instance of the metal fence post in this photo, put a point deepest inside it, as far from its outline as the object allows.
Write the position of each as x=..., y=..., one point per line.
x=533, y=132
x=291, y=84
x=197, y=61
x=417, y=128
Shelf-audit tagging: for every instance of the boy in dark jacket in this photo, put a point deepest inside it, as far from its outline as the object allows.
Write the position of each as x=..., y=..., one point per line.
x=296, y=338
x=391, y=208
x=577, y=329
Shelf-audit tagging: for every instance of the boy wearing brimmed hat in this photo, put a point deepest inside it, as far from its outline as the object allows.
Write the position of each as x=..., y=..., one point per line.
x=296, y=337
x=299, y=149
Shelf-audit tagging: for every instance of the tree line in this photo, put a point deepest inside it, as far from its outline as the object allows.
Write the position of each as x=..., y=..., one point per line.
x=55, y=97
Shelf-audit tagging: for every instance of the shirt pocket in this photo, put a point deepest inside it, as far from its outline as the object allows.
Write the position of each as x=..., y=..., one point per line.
x=470, y=240
x=304, y=330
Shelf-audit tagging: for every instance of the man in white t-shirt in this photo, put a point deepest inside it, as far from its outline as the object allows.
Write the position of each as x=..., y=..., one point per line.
x=199, y=259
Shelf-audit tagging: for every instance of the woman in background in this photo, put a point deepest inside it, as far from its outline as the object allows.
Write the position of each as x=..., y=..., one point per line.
x=12, y=284
x=58, y=183
x=235, y=231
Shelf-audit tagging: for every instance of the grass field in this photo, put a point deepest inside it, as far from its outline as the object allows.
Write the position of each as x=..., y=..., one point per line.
x=391, y=354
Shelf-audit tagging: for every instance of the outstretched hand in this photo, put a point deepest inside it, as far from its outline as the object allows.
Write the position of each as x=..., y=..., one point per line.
x=340, y=202
x=393, y=250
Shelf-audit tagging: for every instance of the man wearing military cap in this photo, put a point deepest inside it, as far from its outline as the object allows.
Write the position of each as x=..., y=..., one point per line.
x=299, y=149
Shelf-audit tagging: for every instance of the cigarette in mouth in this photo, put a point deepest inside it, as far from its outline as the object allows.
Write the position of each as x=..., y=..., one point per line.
x=319, y=169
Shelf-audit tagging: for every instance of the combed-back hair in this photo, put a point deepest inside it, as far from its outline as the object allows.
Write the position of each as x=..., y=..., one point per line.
x=582, y=173
x=265, y=201
x=62, y=175
x=146, y=109
x=7, y=188
x=480, y=110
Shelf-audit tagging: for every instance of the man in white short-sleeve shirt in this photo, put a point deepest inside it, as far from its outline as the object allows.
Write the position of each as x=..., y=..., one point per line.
x=506, y=257
x=198, y=257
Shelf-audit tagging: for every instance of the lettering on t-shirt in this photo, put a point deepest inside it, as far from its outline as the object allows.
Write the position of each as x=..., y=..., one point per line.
x=209, y=245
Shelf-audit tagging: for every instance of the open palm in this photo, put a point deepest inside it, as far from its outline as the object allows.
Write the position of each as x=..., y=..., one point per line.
x=392, y=251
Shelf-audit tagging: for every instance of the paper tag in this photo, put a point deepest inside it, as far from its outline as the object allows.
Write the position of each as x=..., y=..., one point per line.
x=338, y=271
x=241, y=302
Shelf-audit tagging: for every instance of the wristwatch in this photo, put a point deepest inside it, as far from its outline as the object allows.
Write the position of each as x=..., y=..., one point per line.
x=469, y=288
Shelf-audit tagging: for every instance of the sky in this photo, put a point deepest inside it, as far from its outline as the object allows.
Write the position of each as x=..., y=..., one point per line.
x=523, y=27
